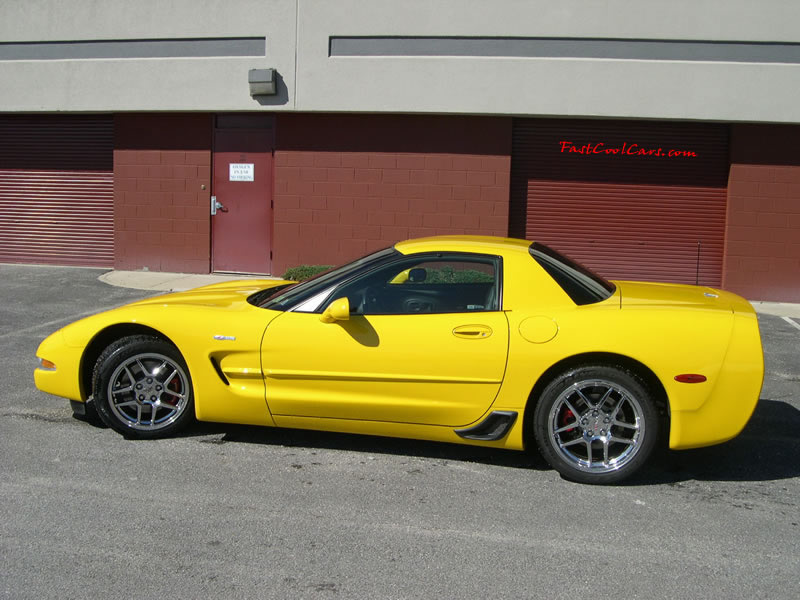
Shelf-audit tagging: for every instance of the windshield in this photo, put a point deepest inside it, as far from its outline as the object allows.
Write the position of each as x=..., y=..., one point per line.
x=582, y=285
x=285, y=297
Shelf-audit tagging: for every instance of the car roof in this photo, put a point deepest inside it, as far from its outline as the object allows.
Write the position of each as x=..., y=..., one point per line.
x=462, y=243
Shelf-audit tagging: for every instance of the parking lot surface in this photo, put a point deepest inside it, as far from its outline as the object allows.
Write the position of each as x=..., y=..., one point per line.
x=242, y=512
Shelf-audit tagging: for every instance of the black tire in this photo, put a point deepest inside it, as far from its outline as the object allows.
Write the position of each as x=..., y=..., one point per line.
x=596, y=424
x=142, y=387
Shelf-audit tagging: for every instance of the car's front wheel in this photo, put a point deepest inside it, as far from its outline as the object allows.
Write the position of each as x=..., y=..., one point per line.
x=142, y=387
x=596, y=424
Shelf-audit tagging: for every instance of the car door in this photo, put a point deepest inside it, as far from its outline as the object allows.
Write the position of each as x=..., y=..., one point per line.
x=426, y=342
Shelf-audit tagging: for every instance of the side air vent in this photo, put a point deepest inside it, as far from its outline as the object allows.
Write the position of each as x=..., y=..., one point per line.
x=219, y=371
x=493, y=427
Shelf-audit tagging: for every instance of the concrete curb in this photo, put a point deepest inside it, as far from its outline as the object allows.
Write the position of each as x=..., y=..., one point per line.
x=779, y=309
x=168, y=282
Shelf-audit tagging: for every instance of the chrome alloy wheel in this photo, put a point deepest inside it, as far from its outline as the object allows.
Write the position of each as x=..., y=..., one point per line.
x=596, y=425
x=148, y=392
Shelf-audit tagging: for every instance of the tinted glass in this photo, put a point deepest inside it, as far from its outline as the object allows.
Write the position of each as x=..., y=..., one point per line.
x=446, y=283
x=285, y=298
x=581, y=285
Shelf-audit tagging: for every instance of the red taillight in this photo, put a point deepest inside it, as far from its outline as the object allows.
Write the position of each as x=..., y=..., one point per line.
x=690, y=378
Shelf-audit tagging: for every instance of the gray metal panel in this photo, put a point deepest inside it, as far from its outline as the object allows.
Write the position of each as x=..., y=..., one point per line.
x=542, y=47
x=153, y=48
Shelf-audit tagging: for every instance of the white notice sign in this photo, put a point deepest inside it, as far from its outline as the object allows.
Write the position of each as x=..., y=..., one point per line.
x=242, y=172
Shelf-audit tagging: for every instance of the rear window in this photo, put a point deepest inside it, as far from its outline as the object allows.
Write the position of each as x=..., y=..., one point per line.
x=581, y=285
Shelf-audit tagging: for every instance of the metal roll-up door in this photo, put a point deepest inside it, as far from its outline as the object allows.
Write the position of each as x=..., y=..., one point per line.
x=603, y=193
x=56, y=190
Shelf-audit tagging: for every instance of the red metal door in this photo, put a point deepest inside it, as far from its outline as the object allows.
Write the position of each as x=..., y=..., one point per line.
x=57, y=189
x=241, y=229
x=631, y=199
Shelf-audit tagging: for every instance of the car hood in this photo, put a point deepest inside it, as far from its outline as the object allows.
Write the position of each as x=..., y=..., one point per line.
x=183, y=315
x=645, y=294
x=221, y=295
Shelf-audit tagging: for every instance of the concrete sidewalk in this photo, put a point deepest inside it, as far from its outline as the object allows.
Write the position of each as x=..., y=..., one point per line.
x=177, y=282
x=779, y=309
x=169, y=282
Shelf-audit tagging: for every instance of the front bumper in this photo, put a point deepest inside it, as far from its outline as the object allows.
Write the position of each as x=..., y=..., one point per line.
x=64, y=380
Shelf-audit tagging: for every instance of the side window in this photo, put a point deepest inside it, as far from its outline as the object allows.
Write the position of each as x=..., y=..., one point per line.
x=445, y=283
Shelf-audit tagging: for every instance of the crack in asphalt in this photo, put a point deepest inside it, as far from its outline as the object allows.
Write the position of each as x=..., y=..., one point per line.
x=39, y=417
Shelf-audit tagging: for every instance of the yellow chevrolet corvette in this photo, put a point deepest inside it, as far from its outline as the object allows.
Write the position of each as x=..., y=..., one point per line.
x=466, y=339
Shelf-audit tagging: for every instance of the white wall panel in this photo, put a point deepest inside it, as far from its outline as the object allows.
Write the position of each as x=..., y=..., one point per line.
x=144, y=84
x=189, y=84
x=298, y=34
x=550, y=86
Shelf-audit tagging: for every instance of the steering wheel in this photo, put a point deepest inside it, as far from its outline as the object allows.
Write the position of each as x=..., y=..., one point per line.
x=369, y=301
x=419, y=304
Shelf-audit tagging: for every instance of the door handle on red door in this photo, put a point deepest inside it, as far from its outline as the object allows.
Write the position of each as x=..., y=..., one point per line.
x=217, y=206
x=473, y=332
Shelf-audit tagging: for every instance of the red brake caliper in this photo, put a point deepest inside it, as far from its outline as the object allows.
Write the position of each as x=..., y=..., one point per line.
x=173, y=386
x=566, y=418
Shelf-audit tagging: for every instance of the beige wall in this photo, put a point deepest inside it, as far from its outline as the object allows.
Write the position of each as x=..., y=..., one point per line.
x=298, y=33
x=217, y=84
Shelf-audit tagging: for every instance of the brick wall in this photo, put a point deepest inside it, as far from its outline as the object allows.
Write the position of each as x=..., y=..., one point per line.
x=349, y=184
x=762, y=255
x=161, y=214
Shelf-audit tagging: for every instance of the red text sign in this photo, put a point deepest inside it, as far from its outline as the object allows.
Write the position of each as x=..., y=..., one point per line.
x=625, y=150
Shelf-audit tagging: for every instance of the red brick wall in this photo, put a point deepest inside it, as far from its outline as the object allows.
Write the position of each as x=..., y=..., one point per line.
x=349, y=184
x=161, y=210
x=762, y=254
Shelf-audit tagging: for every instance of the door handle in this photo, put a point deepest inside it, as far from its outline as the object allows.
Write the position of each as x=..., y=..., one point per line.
x=217, y=206
x=472, y=332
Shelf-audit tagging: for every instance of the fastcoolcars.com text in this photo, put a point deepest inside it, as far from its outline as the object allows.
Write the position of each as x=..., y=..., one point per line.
x=625, y=150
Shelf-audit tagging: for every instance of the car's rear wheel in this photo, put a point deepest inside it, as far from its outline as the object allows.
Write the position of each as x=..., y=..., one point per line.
x=596, y=424
x=142, y=387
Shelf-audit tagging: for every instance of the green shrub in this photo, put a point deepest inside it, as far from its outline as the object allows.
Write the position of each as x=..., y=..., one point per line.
x=303, y=272
x=448, y=274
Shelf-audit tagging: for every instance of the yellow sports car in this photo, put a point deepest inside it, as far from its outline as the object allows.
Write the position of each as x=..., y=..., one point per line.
x=467, y=339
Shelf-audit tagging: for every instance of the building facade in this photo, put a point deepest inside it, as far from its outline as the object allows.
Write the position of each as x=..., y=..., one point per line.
x=649, y=140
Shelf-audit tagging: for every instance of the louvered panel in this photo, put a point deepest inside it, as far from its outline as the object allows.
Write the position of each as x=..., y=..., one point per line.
x=56, y=142
x=56, y=189
x=626, y=216
x=63, y=217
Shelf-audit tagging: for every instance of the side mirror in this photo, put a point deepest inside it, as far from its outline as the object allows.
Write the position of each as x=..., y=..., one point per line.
x=338, y=310
x=401, y=277
x=417, y=275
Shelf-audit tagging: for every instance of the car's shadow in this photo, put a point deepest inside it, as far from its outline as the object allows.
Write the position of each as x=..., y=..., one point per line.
x=300, y=438
x=767, y=449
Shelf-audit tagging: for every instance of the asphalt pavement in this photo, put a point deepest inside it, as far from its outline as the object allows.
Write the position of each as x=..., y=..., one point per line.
x=244, y=512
